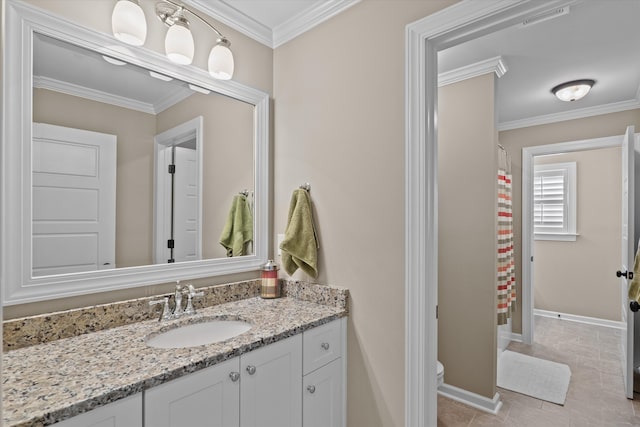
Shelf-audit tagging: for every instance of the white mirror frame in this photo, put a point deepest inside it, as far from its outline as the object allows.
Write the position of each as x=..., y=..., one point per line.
x=18, y=285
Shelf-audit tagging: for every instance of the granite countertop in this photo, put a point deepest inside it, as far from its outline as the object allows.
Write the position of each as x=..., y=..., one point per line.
x=47, y=383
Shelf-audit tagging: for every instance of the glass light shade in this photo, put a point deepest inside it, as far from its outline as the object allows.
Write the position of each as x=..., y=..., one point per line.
x=178, y=44
x=128, y=23
x=573, y=91
x=221, y=62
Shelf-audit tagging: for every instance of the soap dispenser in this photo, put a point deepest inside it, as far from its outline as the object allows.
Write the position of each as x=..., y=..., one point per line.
x=270, y=286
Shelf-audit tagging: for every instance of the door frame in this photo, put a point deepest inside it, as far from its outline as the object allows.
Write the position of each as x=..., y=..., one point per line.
x=528, y=154
x=163, y=142
x=463, y=21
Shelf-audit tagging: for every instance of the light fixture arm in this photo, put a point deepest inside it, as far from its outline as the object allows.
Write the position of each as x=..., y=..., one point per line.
x=183, y=8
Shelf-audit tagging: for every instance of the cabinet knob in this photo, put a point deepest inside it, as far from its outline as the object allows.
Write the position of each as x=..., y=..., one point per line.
x=325, y=345
x=235, y=376
x=251, y=369
x=311, y=389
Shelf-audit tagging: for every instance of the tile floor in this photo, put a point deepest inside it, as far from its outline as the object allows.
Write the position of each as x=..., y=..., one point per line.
x=596, y=392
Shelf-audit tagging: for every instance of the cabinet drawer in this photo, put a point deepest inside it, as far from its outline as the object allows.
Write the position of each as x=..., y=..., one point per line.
x=321, y=345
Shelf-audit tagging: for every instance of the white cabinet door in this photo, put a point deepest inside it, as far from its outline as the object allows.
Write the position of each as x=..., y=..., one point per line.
x=271, y=384
x=322, y=402
x=126, y=412
x=207, y=398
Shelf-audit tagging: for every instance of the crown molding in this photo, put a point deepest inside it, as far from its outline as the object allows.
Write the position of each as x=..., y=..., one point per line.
x=42, y=82
x=72, y=89
x=228, y=15
x=308, y=19
x=172, y=98
x=222, y=11
x=581, y=113
x=491, y=65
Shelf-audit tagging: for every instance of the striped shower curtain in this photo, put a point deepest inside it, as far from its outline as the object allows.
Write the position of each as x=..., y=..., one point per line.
x=506, y=263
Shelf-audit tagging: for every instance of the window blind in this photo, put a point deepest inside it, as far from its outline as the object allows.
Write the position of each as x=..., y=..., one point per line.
x=550, y=201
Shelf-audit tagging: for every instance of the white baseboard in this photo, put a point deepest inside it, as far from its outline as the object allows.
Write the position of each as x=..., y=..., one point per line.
x=516, y=337
x=580, y=319
x=474, y=400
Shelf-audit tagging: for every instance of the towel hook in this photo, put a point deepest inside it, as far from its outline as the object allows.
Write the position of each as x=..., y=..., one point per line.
x=306, y=186
x=245, y=192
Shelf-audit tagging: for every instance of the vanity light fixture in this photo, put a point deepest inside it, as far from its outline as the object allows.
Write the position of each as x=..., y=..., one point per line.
x=573, y=90
x=160, y=76
x=179, y=43
x=113, y=61
x=128, y=22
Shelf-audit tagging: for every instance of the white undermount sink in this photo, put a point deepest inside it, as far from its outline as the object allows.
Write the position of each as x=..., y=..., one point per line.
x=195, y=334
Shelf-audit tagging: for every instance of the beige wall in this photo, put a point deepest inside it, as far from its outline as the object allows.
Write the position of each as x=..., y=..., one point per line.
x=467, y=235
x=572, y=130
x=227, y=155
x=339, y=124
x=134, y=184
x=577, y=277
x=254, y=67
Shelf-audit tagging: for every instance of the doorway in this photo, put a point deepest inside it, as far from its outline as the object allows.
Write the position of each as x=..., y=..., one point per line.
x=178, y=193
x=461, y=22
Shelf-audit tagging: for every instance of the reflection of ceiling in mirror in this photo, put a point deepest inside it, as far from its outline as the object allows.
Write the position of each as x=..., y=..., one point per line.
x=77, y=71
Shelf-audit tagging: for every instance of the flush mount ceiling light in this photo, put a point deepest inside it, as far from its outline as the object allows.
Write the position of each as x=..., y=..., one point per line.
x=179, y=43
x=573, y=90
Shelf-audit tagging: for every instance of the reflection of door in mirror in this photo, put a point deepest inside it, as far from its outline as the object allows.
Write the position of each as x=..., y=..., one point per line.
x=74, y=181
x=178, y=193
x=77, y=88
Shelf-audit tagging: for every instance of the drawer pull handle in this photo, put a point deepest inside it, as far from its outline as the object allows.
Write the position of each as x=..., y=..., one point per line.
x=325, y=345
x=235, y=376
x=311, y=389
x=251, y=369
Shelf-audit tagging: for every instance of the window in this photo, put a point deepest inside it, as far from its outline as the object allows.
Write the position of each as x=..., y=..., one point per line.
x=554, y=201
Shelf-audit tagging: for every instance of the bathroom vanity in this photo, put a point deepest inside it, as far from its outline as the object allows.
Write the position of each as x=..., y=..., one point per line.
x=287, y=370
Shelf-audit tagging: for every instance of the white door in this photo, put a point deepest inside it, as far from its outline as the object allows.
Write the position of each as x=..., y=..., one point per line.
x=628, y=253
x=207, y=398
x=185, y=206
x=271, y=384
x=74, y=200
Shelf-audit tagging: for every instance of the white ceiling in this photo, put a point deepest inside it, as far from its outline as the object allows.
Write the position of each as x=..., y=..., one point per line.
x=597, y=39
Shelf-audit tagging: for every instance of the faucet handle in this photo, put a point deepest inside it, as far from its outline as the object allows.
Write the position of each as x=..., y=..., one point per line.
x=166, y=311
x=190, y=295
x=193, y=293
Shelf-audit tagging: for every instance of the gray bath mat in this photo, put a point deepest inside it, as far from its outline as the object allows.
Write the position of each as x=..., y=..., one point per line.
x=534, y=377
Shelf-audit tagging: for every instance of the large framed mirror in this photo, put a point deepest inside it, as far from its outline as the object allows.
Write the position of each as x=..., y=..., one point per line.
x=120, y=168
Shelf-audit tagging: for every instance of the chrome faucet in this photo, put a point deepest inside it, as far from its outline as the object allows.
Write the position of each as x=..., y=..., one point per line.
x=178, y=311
x=191, y=293
x=166, y=311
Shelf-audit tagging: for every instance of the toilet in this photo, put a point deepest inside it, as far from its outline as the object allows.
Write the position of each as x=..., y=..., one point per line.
x=440, y=374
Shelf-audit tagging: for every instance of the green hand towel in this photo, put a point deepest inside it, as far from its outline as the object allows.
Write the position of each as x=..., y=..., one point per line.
x=238, y=230
x=300, y=245
x=634, y=286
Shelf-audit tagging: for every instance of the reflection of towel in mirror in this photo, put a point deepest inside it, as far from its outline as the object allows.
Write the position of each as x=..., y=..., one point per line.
x=300, y=244
x=634, y=286
x=238, y=230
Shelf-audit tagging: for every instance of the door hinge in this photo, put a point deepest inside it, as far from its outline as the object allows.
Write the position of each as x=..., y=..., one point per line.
x=171, y=243
x=436, y=311
x=531, y=259
x=172, y=168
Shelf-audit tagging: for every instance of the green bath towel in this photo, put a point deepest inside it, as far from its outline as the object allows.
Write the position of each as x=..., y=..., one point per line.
x=634, y=286
x=300, y=244
x=238, y=230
